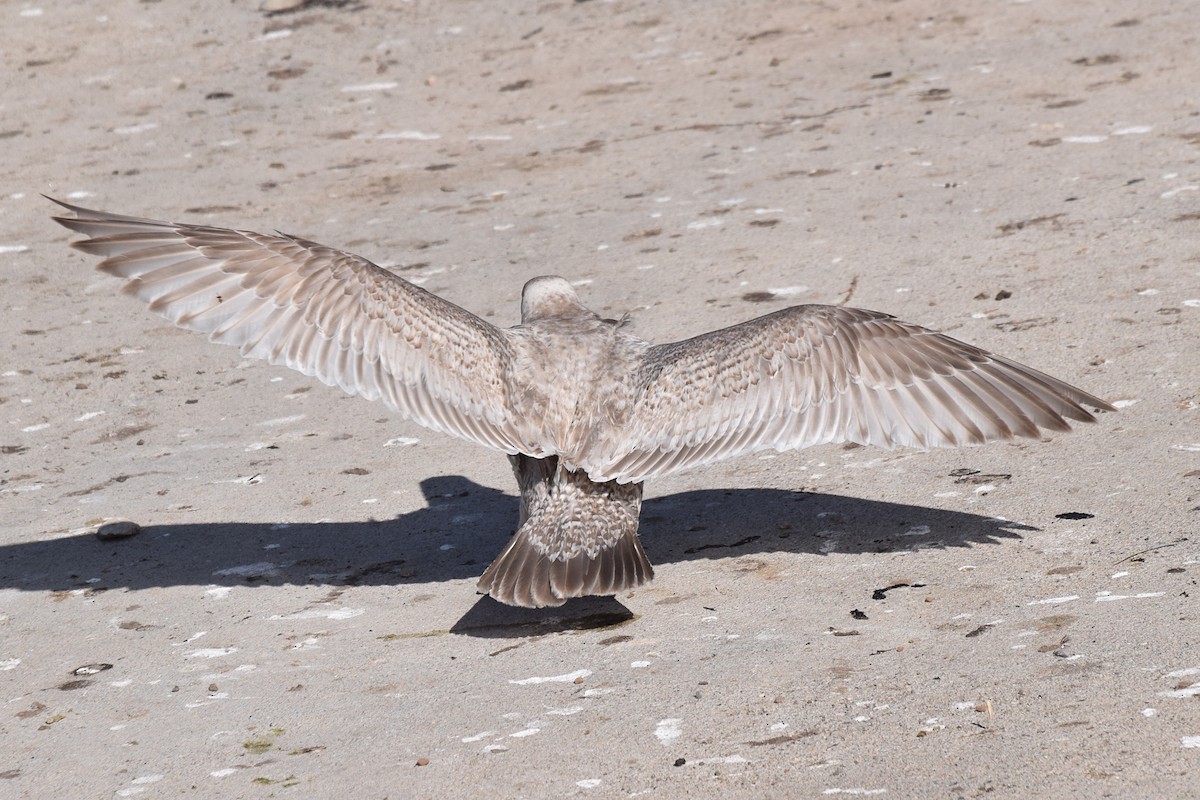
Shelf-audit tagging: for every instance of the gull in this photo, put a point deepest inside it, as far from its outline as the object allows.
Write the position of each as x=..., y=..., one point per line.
x=585, y=411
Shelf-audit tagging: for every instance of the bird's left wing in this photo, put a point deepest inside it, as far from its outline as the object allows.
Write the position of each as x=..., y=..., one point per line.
x=323, y=312
x=815, y=374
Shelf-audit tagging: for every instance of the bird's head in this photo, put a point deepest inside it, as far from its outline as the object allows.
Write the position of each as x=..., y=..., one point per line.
x=549, y=296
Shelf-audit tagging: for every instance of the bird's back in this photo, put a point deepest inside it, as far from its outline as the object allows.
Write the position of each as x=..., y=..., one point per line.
x=572, y=381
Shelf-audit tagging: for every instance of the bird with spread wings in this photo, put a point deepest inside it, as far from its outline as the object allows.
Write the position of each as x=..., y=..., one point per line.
x=585, y=410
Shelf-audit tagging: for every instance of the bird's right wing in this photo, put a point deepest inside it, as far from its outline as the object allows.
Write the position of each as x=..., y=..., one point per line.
x=815, y=374
x=323, y=312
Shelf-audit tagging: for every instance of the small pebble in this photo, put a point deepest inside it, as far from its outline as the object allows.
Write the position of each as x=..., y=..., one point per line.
x=117, y=529
x=422, y=762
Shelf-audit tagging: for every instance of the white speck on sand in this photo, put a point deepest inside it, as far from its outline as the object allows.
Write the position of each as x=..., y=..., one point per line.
x=565, y=712
x=13, y=248
x=210, y=652
x=639, y=664
x=1187, y=691
x=89, y=415
x=1183, y=673
x=1084, y=139
x=322, y=613
x=857, y=791
x=223, y=773
x=1107, y=596
x=148, y=779
x=1172, y=192
x=668, y=731
x=1050, y=601
x=494, y=748
x=1149, y=712
x=33, y=428
x=31, y=488
x=701, y=224
x=524, y=733
x=721, y=760
x=1187, y=448
x=408, y=136
x=1192, y=303
x=1126, y=403
x=590, y=783
x=274, y=423
x=130, y=130
x=9, y=663
x=477, y=737
x=568, y=678
x=1189, y=741
x=218, y=592
x=787, y=291
x=273, y=35
x=381, y=86
x=1133, y=129
x=401, y=441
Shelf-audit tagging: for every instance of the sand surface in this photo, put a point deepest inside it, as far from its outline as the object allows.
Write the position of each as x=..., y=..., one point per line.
x=298, y=616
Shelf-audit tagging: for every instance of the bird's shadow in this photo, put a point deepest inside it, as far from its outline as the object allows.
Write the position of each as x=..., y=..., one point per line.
x=462, y=528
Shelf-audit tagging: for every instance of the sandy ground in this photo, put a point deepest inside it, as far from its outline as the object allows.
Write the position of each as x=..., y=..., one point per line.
x=298, y=618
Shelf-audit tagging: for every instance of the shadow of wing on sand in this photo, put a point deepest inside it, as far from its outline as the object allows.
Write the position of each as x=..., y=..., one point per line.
x=463, y=527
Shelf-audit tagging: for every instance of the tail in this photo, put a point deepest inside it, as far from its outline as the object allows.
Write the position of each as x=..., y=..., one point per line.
x=577, y=538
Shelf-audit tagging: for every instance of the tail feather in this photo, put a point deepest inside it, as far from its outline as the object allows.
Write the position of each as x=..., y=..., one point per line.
x=524, y=576
x=577, y=538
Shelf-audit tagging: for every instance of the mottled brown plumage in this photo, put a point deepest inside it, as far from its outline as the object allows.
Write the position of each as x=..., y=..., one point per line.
x=585, y=410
